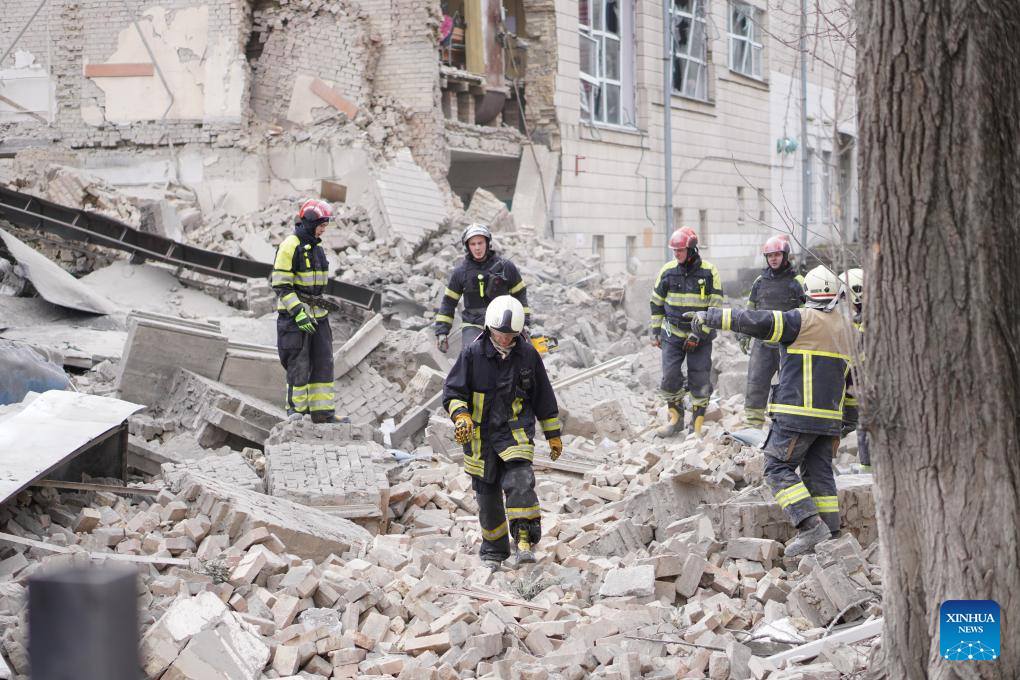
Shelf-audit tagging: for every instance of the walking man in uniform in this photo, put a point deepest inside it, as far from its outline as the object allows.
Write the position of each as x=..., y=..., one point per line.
x=498, y=394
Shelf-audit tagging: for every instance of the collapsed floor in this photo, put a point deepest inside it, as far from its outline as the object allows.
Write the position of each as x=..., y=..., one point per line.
x=295, y=550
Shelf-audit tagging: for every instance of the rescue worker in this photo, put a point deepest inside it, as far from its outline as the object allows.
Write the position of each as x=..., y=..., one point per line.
x=479, y=278
x=807, y=407
x=778, y=287
x=498, y=394
x=304, y=338
x=853, y=285
x=685, y=284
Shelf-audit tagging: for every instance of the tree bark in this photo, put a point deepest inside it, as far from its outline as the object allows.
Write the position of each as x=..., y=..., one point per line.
x=939, y=84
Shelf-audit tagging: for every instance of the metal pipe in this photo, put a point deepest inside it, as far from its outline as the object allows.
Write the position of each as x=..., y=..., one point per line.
x=805, y=154
x=667, y=115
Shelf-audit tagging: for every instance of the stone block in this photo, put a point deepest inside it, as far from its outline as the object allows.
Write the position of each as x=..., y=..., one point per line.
x=629, y=581
x=254, y=370
x=164, y=640
x=693, y=569
x=226, y=651
x=88, y=519
x=359, y=346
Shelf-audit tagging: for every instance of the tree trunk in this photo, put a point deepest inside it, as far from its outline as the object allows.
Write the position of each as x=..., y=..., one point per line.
x=939, y=84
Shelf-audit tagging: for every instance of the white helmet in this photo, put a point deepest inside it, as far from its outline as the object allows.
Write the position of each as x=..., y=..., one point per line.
x=853, y=280
x=475, y=229
x=821, y=287
x=505, y=314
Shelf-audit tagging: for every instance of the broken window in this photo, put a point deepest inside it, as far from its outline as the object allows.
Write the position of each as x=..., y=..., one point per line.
x=746, y=46
x=690, y=48
x=602, y=58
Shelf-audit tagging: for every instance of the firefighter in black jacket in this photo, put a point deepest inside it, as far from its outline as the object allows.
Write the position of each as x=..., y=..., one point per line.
x=779, y=287
x=481, y=277
x=498, y=394
x=853, y=286
x=807, y=408
x=304, y=338
x=684, y=284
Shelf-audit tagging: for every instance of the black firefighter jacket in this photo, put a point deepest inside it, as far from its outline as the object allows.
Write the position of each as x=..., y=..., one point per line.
x=479, y=283
x=507, y=399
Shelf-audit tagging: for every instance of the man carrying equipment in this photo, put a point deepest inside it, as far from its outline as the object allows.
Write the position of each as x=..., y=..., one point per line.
x=498, y=394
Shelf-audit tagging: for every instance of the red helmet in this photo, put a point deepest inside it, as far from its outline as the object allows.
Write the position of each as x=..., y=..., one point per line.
x=776, y=244
x=315, y=211
x=684, y=237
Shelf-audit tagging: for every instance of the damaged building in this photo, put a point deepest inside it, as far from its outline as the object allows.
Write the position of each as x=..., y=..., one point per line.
x=555, y=109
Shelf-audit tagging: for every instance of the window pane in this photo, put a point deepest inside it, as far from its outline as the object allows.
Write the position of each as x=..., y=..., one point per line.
x=613, y=104
x=682, y=5
x=612, y=55
x=613, y=16
x=756, y=69
x=738, y=55
x=598, y=14
x=678, y=74
x=586, y=100
x=741, y=24
x=598, y=104
x=588, y=56
x=681, y=36
x=583, y=16
x=697, y=45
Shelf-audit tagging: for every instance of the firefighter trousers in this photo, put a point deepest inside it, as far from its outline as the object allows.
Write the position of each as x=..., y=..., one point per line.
x=762, y=365
x=863, y=451
x=699, y=372
x=515, y=480
x=813, y=490
x=308, y=360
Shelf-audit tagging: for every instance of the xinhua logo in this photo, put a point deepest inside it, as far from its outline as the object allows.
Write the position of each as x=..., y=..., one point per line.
x=969, y=630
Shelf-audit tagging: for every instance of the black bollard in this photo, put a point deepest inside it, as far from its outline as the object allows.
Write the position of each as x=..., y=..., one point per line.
x=83, y=624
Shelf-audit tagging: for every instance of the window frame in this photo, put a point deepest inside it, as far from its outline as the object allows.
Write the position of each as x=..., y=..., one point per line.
x=594, y=100
x=705, y=63
x=755, y=16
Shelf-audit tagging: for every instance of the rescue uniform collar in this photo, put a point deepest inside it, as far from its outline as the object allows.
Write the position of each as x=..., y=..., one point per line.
x=306, y=232
x=787, y=268
x=490, y=349
x=489, y=255
x=692, y=264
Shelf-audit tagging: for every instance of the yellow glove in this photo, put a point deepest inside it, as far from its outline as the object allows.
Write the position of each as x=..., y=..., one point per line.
x=555, y=447
x=462, y=427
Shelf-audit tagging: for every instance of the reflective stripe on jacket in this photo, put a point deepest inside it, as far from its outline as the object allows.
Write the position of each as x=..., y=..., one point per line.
x=679, y=288
x=300, y=268
x=814, y=368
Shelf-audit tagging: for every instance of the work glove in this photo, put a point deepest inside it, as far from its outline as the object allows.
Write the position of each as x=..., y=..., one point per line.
x=305, y=322
x=745, y=343
x=463, y=426
x=691, y=343
x=443, y=343
x=656, y=341
x=555, y=448
x=699, y=322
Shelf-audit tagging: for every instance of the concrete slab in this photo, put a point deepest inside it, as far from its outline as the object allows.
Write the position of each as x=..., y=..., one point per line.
x=154, y=351
x=255, y=370
x=33, y=446
x=536, y=180
x=53, y=283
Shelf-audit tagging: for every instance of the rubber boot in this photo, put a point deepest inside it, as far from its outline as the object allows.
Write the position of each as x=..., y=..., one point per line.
x=674, y=424
x=697, y=419
x=524, y=553
x=813, y=532
x=330, y=420
x=491, y=563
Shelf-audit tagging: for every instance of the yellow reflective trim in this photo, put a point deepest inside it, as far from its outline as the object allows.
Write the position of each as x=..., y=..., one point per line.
x=809, y=384
x=451, y=294
x=456, y=404
x=519, y=452
x=777, y=327
x=851, y=401
x=550, y=424
x=325, y=396
x=657, y=299
x=727, y=319
x=520, y=436
x=442, y=318
x=792, y=489
x=281, y=278
x=690, y=299
x=791, y=495
x=806, y=412
x=527, y=310
x=285, y=253
x=518, y=288
x=826, y=503
x=715, y=300
x=478, y=401
x=819, y=353
x=290, y=301
x=497, y=533
x=532, y=512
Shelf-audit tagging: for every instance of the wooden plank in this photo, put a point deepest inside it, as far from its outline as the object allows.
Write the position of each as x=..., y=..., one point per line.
x=495, y=597
x=49, y=547
x=474, y=36
x=327, y=94
x=812, y=649
x=111, y=488
x=118, y=70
